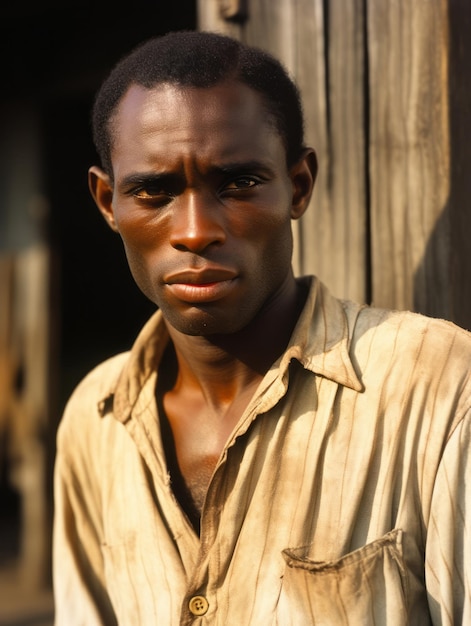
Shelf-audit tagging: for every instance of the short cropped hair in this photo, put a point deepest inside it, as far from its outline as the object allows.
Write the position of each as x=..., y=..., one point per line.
x=200, y=59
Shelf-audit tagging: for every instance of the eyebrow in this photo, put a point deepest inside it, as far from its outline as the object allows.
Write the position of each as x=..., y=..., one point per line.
x=243, y=166
x=225, y=169
x=143, y=178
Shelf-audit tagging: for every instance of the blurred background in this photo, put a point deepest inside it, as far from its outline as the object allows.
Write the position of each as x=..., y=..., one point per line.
x=387, y=97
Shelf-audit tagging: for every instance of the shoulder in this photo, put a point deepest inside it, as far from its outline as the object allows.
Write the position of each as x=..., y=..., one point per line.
x=83, y=409
x=409, y=353
x=100, y=381
x=410, y=329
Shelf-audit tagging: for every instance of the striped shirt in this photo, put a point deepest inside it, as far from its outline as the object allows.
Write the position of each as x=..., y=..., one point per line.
x=342, y=496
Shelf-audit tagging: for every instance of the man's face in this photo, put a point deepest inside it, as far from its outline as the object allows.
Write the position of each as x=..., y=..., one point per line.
x=202, y=199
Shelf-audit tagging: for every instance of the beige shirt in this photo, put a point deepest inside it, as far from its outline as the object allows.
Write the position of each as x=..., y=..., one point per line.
x=342, y=497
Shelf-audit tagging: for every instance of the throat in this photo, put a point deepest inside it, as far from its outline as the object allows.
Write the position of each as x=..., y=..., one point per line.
x=194, y=434
x=190, y=463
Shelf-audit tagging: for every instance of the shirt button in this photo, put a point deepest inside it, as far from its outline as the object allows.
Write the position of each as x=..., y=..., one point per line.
x=198, y=605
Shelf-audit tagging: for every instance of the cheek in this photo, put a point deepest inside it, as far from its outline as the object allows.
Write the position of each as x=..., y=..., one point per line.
x=274, y=234
x=140, y=269
x=275, y=244
x=262, y=225
x=142, y=240
x=140, y=230
x=144, y=236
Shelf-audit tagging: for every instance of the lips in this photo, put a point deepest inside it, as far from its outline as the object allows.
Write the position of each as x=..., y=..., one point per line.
x=199, y=286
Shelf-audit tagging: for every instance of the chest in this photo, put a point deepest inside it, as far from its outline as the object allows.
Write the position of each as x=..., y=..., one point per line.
x=281, y=487
x=193, y=441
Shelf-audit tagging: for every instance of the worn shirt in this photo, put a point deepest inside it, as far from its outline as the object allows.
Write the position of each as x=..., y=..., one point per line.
x=342, y=497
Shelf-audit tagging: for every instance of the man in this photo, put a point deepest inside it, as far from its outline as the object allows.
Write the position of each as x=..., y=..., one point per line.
x=265, y=453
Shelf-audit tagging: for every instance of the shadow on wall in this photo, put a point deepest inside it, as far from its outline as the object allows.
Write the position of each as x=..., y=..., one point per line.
x=443, y=280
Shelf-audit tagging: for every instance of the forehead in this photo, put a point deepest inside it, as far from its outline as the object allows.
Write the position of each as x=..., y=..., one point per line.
x=226, y=116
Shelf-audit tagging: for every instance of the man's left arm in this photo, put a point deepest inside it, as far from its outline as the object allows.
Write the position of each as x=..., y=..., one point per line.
x=448, y=549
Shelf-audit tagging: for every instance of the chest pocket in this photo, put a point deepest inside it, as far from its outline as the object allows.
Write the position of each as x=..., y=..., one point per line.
x=363, y=588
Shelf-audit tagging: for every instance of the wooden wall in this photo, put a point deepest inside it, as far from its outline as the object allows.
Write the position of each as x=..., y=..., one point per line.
x=386, y=86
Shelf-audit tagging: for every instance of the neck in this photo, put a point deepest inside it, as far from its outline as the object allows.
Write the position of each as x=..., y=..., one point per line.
x=221, y=366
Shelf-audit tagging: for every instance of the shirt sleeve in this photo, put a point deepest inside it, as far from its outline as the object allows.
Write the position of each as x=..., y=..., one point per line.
x=80, y=593
x=448, y=550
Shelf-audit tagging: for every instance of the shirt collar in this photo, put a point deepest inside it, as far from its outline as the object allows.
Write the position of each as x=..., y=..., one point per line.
x=322, y=336
x=320, y=342
x=142, y=364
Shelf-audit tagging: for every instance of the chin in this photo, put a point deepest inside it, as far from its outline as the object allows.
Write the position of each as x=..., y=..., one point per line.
x=204, y=324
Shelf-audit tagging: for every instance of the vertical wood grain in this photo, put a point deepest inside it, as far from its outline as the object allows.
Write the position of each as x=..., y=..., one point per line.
x=409, y=151
x=346, y=249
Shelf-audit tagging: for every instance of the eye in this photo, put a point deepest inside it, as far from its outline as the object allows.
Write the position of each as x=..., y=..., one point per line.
x=241, y=183
x=151, y=192
x=152, y=189
x=151, y=195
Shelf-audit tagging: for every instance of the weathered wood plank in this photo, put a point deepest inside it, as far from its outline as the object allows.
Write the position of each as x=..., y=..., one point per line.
x=409, y=153
x=346, y=251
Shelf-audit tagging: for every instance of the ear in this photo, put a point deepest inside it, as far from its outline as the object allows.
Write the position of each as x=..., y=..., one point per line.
x=303, y=176
x=101, y=188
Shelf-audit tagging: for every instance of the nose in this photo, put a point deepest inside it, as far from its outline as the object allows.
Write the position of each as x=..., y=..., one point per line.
x=197, y=223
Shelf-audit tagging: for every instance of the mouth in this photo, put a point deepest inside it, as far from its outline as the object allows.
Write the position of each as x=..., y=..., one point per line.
x=200, y=286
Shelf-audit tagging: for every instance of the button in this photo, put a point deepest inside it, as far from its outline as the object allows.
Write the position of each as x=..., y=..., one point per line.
x=198, y=605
